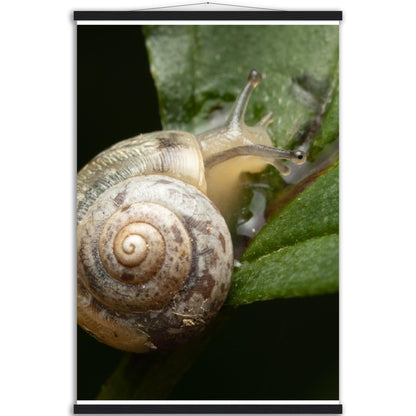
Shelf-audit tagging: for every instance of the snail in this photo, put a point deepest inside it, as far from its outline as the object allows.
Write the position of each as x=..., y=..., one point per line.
x=154, y=254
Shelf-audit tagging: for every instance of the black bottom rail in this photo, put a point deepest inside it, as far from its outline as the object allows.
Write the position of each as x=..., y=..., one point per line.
x=208, y=409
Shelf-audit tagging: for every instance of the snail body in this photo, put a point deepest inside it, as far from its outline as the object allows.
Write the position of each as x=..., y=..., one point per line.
x=154, y=253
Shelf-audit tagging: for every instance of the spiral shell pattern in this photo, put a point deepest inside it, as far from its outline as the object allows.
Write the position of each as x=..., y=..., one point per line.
x=154, y=263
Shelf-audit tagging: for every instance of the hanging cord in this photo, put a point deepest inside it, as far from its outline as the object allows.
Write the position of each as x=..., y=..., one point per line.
x=210, y=3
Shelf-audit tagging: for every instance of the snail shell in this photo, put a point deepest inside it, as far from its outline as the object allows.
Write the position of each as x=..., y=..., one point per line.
x=154, y=253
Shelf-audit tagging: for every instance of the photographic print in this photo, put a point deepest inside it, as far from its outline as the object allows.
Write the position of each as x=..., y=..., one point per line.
x=208, y=212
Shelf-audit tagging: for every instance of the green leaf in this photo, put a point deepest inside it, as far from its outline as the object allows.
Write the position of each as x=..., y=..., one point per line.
x=199, y=70
x=296, y=253
x=328, y=131
x=306, y=268
x=312, y=213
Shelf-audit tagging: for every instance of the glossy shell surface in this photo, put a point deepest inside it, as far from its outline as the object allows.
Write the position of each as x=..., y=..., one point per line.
x=154, y=263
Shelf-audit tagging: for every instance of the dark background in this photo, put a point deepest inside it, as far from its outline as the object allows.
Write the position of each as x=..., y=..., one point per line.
x=281, y=350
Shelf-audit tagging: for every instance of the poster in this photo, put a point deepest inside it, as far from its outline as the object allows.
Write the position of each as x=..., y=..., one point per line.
x=274, y=342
